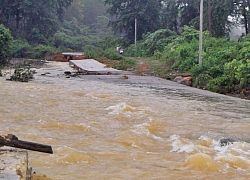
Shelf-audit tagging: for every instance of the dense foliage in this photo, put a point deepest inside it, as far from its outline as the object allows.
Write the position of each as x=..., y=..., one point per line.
x=5, y=41
x=34, y=20
x=22, y=73
x=226, y=64
x=41, y=27
x=68, y=25
x=152, y=15
x=147, y=12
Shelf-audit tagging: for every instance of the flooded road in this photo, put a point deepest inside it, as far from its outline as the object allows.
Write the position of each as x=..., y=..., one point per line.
x=141, y=128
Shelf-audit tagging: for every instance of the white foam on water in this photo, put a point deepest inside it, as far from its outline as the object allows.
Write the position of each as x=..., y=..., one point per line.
x=236, y=155
x=179, y=146
x=127, y=110
x=142, y=129
x=121, y=108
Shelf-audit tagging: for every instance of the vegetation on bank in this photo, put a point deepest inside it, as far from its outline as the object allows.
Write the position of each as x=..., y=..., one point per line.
x=5, y=43
x=225, y=67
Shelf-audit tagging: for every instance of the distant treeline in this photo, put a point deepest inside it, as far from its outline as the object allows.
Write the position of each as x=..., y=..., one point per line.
x=152, y=15
x=71, y=25
x=54, y=25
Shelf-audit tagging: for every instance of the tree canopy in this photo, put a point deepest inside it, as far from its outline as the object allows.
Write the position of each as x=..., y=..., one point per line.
x=5, y=41
x=73, y=24
x=37, y=20
x=175, y=14
x=34, y=20
x=147, y=13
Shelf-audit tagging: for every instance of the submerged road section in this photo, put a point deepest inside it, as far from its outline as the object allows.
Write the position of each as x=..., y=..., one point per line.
x=92, y=66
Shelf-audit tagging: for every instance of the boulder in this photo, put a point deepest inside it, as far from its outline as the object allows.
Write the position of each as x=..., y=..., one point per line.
x=226, y=141
x=186, y=80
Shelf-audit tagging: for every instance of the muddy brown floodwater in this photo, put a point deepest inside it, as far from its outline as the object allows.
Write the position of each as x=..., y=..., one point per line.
x=106, y=127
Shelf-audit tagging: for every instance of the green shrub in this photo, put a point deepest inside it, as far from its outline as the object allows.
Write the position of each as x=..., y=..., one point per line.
x=41, y=50
x=124, y=64
x=95, y=52
x=92, y=52
x=20, y=49
x=111, y=53
x=22, y=73
x=135, y=50
x=63, y=41
x=157, y=55
x=157, y=41
x=185, y=56
x=189, y=34
x=220, y=84
x=201, y=80
x=239, y=71
x=110, y=42
x=5, y=42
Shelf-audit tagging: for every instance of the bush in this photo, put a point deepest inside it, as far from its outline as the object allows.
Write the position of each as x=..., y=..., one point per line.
x=22, y=73
x=186, y=56
x=5, y=42
x=220, y=84
x=20, y=49
x=151, y=43
x=110, y=42
x=41, y=50
x=189, y=34
x=135, y=50
x=201, y=80
x=95, y=52
x=63, y=41
x=92, y=52
x=239, y=72
x=124, y=64
x=111, y=53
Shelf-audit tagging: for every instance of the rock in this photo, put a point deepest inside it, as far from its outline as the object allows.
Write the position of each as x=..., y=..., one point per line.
x=43, y=74
x=246, y=92
x=110, y=73
x=13, y=164
x=67, y=72
x=187, y=80
x=178, y=78
x=226, y=141
x=124, y=77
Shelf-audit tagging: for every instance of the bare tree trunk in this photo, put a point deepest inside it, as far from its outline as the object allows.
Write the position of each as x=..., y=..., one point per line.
x=244, y=14
x=201, y=30
x=248, y=16
x=210, y=18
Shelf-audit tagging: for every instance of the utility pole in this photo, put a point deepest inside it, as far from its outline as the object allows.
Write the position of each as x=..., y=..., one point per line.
x=201, y=29
x=135, y=30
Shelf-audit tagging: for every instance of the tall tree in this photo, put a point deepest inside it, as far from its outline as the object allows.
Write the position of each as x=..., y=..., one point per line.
x=170, y=14
x=147, y=13
x=32, y=19
x=242, y=13
x=216, y=12
x=92, y=9
x=209, y=15
x=220, y=10
x=5, y=41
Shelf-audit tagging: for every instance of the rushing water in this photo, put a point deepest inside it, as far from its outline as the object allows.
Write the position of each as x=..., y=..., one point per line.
x=101, y=130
